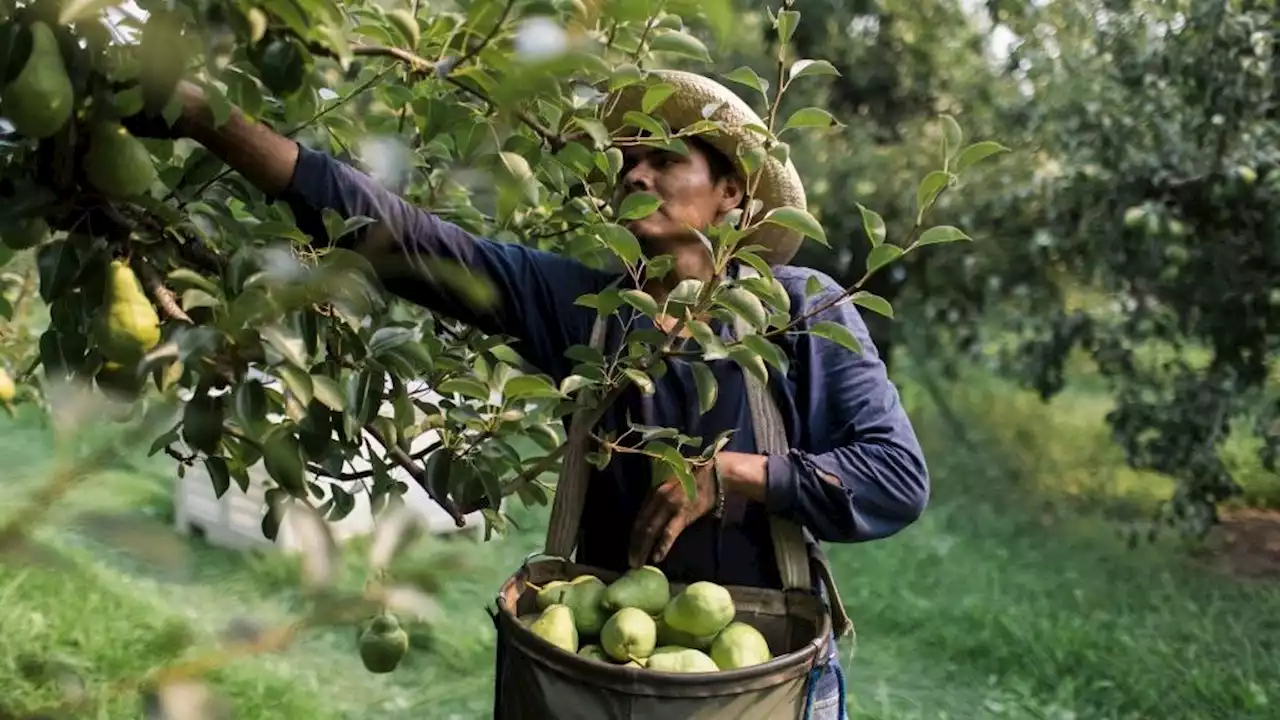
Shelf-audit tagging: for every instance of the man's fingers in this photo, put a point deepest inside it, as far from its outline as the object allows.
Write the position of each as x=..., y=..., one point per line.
x=654, y=515
x=646, y=535
x=668, y=537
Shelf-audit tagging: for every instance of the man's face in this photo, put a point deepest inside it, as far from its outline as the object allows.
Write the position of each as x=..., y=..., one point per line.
x=691, y=197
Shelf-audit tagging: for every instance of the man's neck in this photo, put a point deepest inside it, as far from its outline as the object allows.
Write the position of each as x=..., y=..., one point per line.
x=688, y=265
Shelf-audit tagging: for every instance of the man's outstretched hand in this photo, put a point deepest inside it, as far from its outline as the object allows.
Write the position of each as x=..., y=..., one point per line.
x=151, y=123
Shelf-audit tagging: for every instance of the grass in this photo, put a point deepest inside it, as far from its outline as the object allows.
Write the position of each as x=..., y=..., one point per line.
x=1014, y=597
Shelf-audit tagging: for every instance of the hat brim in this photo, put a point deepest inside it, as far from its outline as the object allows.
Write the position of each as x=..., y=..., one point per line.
x=779, y=184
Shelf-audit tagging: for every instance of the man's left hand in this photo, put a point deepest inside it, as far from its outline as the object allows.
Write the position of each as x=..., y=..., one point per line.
x=667, y=512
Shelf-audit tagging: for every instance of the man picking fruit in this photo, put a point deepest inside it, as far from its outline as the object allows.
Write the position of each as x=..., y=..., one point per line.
x=855, y=471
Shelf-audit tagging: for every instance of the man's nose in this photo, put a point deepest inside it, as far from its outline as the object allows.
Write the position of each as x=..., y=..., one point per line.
x=639, y=178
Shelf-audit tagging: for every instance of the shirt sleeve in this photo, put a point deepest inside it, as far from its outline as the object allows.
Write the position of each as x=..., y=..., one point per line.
x=861, y=474
x=536, y=291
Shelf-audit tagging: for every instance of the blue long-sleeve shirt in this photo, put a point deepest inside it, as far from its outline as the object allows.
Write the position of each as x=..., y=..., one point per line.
x=855, y=471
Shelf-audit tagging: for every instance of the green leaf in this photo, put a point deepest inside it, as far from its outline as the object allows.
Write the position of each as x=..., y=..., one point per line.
x=680, y=43
x=952, y=136
x=655, y=96
x=872, y=225
x=298, y=382
x=873, y=302
x=328, y=392
x=941, y=234
x=624, y=75
x=881, y=256
x=838, y=334
x=386, y=339
x=466, y=387
x=286, y=342
x=58, y=264
x=745, y=304
x=524, y=387
x=638, y=205
x=976, y=153
x=927, y=193
x=218, y=474
x=750, y=361
x=771, y=353
x=644, y=122
x=197, y=298
x=809, y=117
x=803, y=68
x=746, y=76
x=641, y=301
x=191, y=278
x=799, y=220
x=622, y=242
x=642, y=381
x=786, y=25
x=812, y=286
x=708, y=388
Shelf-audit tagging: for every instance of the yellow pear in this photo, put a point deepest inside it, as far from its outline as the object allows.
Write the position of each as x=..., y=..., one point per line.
x=118, y=164
x=8, y=390
x=128, y=326
x=39, y=99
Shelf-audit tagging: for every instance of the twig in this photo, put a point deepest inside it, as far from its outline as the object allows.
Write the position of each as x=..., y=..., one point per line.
x=366, y=474
x=162, y=295
x=419, y=475
x=497, y=27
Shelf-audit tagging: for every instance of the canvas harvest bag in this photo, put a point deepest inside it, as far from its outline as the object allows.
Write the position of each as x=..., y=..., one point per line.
x=537, y=681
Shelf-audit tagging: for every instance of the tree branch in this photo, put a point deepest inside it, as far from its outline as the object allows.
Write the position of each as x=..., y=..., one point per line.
x=419, y=475
x=497, y=27
x=366, y=474
x=154, y=284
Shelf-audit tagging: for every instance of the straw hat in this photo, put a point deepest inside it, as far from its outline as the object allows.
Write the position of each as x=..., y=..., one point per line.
x=779, y=184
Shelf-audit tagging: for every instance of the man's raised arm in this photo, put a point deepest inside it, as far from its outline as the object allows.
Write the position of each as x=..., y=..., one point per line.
x=536, y=290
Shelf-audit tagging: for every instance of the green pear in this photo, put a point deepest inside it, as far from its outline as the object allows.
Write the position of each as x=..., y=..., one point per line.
x=383, y=644
x=555, y=625
x=117, y=164
x=629, y=634
x=644, y=588
x=551, y=594
x=668, y=635
x=39, y=99
x=701, y=609
x=674, y=659
x=594, y=652
x=129, y=325
x=26, y=234
x=739, y=645
x=585, y=596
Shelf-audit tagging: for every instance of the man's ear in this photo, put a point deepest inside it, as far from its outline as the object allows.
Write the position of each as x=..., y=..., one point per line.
x=733, y=190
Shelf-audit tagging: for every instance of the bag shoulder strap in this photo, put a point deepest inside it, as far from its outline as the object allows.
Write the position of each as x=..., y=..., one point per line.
x=792, y=544
x=575, y=472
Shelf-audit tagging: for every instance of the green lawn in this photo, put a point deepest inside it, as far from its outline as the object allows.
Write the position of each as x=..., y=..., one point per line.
x=1013, y=598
